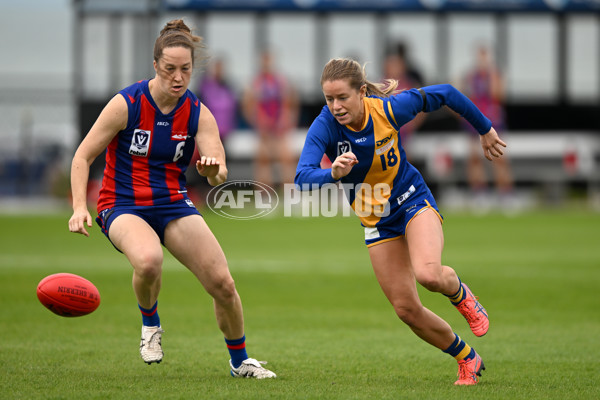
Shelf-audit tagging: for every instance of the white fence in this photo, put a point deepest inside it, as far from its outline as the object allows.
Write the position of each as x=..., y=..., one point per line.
x=544, y=157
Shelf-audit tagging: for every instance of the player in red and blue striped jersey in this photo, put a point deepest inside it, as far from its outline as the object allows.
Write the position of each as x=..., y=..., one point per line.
x=149, y=131
x=146, y=161
x=358, y=131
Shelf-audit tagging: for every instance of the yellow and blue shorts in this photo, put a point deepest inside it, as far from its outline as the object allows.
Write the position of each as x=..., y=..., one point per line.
x=393, y=230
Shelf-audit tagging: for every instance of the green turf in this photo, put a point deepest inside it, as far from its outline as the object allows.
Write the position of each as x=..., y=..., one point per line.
x=313, y=309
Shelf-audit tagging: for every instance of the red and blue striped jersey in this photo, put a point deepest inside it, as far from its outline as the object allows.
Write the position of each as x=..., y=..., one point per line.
x=146, y=162
x=269, y=91
x=478, y=87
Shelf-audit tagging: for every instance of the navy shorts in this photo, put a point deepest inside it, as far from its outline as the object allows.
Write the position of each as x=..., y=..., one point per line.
x=156, y=216
x=397, y=230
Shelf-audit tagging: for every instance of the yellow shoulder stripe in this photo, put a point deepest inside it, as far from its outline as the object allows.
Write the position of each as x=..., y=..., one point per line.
x=391, y=112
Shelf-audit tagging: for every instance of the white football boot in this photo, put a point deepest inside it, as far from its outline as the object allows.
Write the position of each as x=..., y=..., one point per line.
x=150, y=345
x=251, y=368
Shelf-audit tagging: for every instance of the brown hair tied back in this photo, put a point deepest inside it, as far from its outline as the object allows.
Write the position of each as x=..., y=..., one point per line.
x=175, y=25
x=176, y=34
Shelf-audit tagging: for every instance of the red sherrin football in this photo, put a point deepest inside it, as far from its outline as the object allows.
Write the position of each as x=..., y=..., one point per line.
x=68, y=295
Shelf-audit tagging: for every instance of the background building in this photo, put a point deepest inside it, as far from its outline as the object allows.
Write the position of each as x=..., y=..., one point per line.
x=64, y=59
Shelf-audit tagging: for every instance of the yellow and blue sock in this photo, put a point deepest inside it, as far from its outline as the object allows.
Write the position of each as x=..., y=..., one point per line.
x=237, y=350
x=150, y=316
x=458, y=296
x=460, y=350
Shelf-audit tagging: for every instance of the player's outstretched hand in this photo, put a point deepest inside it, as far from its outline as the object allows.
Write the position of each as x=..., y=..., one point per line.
x=208, y=166
x=343, y=165
x=492, y=145
x=78, y=221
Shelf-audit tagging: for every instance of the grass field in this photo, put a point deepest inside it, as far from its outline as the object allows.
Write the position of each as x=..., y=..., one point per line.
x=313, y=309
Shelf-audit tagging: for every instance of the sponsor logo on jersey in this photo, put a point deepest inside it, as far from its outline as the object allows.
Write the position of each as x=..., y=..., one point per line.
x=361, y=140
x=383, y=141
x=162, y=123
x=140, y=143
x=178, y=135
x=343, y=147
x=386, y=142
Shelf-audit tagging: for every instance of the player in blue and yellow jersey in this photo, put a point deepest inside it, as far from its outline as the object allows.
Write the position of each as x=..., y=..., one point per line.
x=358, y=131
x=149, y=131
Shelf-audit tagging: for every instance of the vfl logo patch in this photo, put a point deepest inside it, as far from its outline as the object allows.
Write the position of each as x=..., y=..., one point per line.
x=343, y=147
x=140, y=143
x=406, y=195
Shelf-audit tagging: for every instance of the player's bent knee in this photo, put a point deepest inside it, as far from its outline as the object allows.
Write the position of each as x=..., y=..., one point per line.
x=430, y=280
x=148, y=265
x=433, y=285
x=224, y=291
x=408, y=313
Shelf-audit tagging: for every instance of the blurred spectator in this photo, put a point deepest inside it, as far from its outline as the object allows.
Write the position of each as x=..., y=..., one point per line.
x=400, y=66
x=216, y=94
x=484, y=85
x=397, y=65
x=270, y=106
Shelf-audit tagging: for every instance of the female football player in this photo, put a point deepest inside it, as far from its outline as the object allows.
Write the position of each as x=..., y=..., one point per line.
x=149, y=130
x=358, y=131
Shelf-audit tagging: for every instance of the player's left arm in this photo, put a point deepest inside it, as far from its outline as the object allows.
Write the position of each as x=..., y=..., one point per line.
x=437, y=96
x=448, y=95
x=210, y=148
x=492, y=144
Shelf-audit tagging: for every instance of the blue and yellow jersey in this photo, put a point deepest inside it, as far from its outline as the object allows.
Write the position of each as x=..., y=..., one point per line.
x=380, y=184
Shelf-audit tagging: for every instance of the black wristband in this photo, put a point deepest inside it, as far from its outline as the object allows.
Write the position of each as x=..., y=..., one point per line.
x=424, y=96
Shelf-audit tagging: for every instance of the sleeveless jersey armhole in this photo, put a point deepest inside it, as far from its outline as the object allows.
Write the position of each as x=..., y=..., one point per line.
x=129, y=100
x=195, y=117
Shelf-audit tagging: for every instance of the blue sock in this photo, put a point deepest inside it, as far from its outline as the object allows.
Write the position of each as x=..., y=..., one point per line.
x=237, y=350
x=150, y=316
